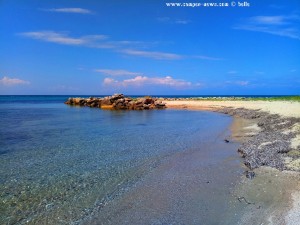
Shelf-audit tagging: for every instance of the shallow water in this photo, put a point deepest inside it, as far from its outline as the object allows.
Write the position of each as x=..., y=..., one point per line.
x=195, y=186
x=62, y=164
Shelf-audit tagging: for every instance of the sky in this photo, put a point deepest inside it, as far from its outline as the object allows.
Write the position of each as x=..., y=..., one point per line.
x=85, y=47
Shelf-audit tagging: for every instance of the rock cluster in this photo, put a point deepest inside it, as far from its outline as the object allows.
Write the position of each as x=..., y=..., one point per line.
x=118, y=101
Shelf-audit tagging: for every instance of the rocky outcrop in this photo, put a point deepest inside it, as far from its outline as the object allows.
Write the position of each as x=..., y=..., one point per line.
x=118, y=102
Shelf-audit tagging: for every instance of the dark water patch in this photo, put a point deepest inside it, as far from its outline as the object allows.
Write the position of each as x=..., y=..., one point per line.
x=13, y=138
x=141, y=124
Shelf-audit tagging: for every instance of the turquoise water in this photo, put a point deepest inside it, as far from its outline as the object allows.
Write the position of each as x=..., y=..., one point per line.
x=58, y=163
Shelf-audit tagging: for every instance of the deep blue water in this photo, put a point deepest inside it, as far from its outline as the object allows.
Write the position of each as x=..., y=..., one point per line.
x=58, y=162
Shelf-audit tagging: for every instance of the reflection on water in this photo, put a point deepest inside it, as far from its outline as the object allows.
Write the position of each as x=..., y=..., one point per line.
x=59, y=163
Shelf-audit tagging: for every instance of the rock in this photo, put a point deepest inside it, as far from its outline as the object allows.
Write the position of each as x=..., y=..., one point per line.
x=118, y=102
x=145, y=106
x=69, y=101
x=159, y=104
x=249, y=174
x=131, y=105
x=76, y=101
x=106, y=101
x=107, y=107
x=152, y=106
x=149, y=101
x=79, y=101
x=116, y=97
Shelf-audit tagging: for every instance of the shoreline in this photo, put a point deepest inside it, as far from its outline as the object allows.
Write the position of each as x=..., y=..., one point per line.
x=269, y=135
x=273, y=137
x=179, y=187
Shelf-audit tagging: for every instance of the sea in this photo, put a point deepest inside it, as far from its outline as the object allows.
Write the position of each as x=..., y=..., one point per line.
x=62, y=164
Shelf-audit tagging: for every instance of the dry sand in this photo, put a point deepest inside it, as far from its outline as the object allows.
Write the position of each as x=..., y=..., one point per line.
x=283, y=108
x=282, y=192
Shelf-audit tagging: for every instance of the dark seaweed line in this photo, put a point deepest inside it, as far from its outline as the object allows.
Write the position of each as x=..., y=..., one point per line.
x=255, y=151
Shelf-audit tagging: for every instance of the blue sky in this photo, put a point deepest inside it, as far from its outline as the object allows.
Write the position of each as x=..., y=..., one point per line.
x=145, y=47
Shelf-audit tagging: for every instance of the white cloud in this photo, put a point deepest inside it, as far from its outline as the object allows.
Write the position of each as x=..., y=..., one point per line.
x=70, y=10
x=153, y=55
x=272, y=20
x=63, y=38
x=144, y=80
x=286, y=32
x=117, y=72
x=184, y=22
x=96, y=41
x=109, y=81
x=13, y=81
x=232, y=72
x=242, y=83
x=103, y=41
x=206, y=57
x=140, y=80
x=239, y=83
x=164, y=55
x=173, y=21
x=132, y=43
x=283, y=25
x=91, y=41
x=51, y=36
x=65, y=88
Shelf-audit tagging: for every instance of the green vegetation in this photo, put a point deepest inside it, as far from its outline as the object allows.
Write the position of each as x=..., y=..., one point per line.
x=280, y=98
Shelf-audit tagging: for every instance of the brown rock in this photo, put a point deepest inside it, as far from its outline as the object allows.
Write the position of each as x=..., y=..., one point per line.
x=106, y=101
x=118, y=101
x=107, y=107
x=149, y=101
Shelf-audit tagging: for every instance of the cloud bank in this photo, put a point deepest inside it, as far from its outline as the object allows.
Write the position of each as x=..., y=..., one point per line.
x=103, y=41
x=64, y=38
x=282, y=25
x=169, y=20
x=239, y=82
x=70, y=10
x=153, y=55
x=6, y=81
x=117, y=72
x=144, y=80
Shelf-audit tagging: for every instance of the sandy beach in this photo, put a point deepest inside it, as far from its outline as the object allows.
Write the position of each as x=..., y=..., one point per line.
x=270, y=135
x=283, y=108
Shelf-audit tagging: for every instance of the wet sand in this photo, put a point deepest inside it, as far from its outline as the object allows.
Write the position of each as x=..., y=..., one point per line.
x=272, y=196
x=191, y=187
